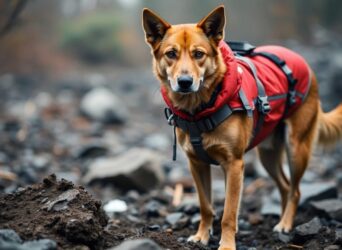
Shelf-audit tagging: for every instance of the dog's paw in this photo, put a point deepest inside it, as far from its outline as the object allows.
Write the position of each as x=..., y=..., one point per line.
x=203, y=238
x=282, y=228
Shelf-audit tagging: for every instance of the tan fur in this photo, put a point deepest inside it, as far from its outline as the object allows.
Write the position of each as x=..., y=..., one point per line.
x=330, y=126
x=228, y=142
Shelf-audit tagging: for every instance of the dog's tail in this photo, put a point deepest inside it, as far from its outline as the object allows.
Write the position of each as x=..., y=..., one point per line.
x=330, y=126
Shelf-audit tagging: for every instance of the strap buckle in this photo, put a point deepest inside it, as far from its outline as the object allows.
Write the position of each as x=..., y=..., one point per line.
x=170, y=117
x=292, y=97
x=196, y=141
x=263, y=105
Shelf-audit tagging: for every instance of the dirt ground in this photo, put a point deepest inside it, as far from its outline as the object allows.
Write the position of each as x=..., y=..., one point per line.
x=68, y=214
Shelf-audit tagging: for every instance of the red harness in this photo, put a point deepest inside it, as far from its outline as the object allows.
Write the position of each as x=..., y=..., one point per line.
x=257, y=80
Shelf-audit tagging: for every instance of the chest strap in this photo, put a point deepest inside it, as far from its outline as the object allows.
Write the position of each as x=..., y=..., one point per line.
x=196, y=128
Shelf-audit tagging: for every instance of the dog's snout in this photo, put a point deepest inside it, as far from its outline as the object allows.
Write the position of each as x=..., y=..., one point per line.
x=185, y=81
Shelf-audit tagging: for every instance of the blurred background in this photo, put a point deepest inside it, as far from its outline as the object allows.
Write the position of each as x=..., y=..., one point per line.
x=78, y=98
x=77, y=90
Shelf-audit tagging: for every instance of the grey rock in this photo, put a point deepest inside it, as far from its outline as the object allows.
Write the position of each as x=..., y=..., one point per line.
x=9, y=235
x=138, y=168
x=61, y=202
x=141, y=244
x=9, y=240
x=312, y=192
x=157, y=141
x=173, y=218
x=338, y=236
x=102, y=105
x=44, y=244
x=307, y=230
x=90, y=150
x=152, y=208
x=286, y=238
x=154, y=227
x=332, y=247
x=270, y=207
x=331, y=208
x=195, y=219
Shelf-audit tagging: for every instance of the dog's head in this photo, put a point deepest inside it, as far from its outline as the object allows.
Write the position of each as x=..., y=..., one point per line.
x=186, y=56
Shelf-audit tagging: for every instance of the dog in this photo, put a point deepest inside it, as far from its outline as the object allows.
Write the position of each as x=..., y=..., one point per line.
x=190, y=62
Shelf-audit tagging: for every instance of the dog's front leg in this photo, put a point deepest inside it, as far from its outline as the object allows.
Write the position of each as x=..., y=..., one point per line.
x=202, y=176
x=229, y=226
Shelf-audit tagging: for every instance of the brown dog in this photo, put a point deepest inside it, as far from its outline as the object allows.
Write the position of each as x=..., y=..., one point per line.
x=190, y=53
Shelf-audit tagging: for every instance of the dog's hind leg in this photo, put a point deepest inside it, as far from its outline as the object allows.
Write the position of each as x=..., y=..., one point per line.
x=271, y=157
x=202, y=176
x=301, y=134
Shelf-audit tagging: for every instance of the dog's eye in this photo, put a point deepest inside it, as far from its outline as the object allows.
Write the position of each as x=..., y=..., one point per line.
x=198, y=54
x=171, y=54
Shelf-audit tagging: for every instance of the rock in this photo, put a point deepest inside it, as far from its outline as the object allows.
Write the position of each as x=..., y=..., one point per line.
x=90, y=150
x=157, y=141
x=44, y=244
x=312, y=192
x=333, y=247
x=190, y=209
x=9, y=235
x=331, y=208
x=10, y=240
x=307, y=230
x=141, y=244
x=244, y=225
x=102, y=105
x=338, y=235
x=177, y=220
x=115, y=206
x=195, y=219
x=133, y=218
x=173, y=218
x=61, y=202
x=137, y=168
x=152, y=208
x=132, y=196
x=286, y=238
x=154, y=227
x=270, y=207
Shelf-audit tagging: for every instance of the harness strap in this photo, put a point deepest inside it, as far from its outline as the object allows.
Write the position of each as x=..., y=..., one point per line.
x=196, y=129
x=288, y=73
x=262, y=103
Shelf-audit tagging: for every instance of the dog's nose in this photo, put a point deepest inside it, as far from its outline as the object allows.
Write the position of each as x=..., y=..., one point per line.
x=185, y=81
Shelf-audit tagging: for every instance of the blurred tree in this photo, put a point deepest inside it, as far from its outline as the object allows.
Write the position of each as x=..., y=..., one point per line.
x=9, y=14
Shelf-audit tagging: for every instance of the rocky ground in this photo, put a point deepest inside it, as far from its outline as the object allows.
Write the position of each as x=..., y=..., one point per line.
x=107, y=133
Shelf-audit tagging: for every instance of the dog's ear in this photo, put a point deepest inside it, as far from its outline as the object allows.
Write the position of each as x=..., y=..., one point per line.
x=213, y=24
x=154, y=26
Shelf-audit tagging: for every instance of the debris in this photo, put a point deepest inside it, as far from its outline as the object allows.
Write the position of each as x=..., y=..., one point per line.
x=115, y=206
x=177, y=195
x=62, y=201
x=7, y=175
x=102, y=105
x=307, y=230
x=331, y=208
x=141, y=244
x=173, y=218
x=137, y=168
x=10, y=240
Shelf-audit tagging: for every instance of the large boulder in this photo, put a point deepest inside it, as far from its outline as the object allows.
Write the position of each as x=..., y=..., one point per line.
x=138, y=169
